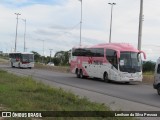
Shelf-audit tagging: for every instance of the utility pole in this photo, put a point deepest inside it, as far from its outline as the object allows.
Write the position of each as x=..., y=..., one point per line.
x=43, y=52
x=140, y=25
x=50, y=53
x=24, y=35
x=15, y=49
x=111, y=21
x=81, y=24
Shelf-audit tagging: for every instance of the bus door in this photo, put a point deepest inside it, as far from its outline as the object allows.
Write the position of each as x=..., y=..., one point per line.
x=111, y=56
x=17, y=60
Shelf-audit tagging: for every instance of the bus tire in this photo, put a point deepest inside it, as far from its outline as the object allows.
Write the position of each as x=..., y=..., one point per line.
x=158, y=90
x=105, y=77
x=81, y=74
x=78, y=73
x=127, y=82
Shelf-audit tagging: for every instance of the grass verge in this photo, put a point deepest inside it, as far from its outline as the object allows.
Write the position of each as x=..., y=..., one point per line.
x=148, y=77
x=24, y=94
x=64, y=69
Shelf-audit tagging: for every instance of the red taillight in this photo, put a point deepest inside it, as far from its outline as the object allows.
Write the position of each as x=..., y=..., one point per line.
x=25, y=62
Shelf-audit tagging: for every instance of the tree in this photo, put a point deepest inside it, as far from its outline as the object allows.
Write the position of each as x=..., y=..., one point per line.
x=56, y=61
x=63, y=57
x=37, y=56
x=148, y=66
x=60, y=58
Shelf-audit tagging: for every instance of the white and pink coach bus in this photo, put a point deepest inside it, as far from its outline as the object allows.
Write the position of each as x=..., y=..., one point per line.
x=114, y=61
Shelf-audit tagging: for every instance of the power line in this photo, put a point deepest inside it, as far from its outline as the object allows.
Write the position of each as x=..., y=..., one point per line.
x=66, y=32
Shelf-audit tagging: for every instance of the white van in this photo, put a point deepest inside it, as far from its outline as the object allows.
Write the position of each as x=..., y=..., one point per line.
x=156, y=83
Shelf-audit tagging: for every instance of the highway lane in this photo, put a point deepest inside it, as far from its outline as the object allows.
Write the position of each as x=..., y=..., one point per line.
x=116, y=95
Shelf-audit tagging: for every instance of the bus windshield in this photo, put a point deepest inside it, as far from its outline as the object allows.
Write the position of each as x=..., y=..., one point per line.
x=27, y=58
x=130, y=62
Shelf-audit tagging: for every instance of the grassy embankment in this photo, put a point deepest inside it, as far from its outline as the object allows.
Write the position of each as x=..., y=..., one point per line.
x=25, y=94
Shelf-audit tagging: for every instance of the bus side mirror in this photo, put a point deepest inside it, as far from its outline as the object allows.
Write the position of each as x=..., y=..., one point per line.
x=118, y=54
x=144, y=55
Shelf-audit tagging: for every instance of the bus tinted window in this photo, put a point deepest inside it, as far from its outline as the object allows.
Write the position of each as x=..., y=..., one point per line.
x=100, y=52
x=11, y=56
x=17, y=55
x=89, y=52
x=76, y=52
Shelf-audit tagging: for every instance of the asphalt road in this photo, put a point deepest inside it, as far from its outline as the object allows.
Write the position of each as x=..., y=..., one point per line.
x=127, y=97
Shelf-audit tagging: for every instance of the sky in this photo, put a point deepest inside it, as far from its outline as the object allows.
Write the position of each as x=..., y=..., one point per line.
x=55, y=24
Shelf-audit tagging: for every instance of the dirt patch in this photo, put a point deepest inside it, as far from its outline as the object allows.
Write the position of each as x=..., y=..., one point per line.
x=4, y=61
x=149, y=79
x=53, y=68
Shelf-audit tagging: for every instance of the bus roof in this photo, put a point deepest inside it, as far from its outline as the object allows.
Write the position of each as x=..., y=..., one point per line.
x=114, y=46
x=117, y=47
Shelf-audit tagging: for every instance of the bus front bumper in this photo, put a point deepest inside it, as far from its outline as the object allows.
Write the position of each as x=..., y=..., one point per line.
x=27, y=66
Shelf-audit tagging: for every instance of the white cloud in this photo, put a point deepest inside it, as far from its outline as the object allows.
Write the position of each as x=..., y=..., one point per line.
x=58, y=24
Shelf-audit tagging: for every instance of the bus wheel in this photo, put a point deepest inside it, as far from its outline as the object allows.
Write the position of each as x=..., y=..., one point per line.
x=127, y=82
x=78, y=73
x=158, y=90
x=81, y=74
x=105, y=77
